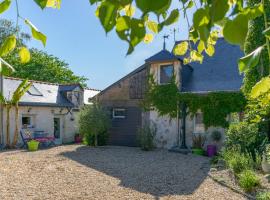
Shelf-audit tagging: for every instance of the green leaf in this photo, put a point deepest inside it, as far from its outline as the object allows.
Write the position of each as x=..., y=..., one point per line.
x=201, y=18
x=5, y=68
x=190, y=4
x=210, y=50
x=235, y=31
x=250, y=60
x=8, y=45
x=129, y=10
x=267, y=33
x=196, y=56
x=153, y=26
x=262, y=87
x=94, y=1
x=54, y=3
x=254, y=11
x=107, y=13
x=173, y=17
x=201, y=46
x=148, y=38
x=156, y=6
x=181, y=49
x=24, y=55
x=41, y=3
x=122, y=25
x=4, y=5
x=36, y=33
x=219, y=9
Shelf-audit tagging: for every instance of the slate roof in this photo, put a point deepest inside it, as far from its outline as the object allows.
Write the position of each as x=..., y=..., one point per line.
x=217, y=73
x=163, y=55
x=52, y=95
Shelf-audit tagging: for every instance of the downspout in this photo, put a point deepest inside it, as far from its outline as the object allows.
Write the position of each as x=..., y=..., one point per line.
x=184, y=115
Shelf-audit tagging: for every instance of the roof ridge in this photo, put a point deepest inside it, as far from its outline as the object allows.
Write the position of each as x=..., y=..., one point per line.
x=88, y=88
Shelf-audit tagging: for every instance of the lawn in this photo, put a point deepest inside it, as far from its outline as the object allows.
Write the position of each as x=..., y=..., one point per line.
x=79, y=172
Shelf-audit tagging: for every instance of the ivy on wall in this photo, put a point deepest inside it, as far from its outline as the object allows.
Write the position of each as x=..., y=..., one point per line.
x=215, y=106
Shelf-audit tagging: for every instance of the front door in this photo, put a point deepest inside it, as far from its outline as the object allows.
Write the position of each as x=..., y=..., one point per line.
x=57, y=130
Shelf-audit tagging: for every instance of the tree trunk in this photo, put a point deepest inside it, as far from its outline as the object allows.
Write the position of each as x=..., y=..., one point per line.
x=8, y=127
x=15, y=137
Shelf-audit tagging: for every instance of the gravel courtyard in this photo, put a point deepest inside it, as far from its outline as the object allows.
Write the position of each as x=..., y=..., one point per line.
x=79, y=172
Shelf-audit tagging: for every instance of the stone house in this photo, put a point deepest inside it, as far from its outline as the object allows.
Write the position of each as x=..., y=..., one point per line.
x=48, y=107
x=122, y=98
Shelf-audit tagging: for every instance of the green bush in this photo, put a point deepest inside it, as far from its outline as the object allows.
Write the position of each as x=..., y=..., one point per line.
x=245, y=137
x=263, y=196
x=94, y=122
x=248, y=180
x=236, y=161
x=146, y=135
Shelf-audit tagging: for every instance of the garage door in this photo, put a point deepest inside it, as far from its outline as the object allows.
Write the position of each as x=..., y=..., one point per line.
x=125, y=123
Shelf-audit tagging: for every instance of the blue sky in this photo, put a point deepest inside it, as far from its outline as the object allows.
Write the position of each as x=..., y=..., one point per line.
x=76, y=36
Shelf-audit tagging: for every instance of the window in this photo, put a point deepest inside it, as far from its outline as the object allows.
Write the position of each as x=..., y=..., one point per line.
x=119, y=113
x=166, y=73
x=198, y=123
x=26, y=121
x=34, y=91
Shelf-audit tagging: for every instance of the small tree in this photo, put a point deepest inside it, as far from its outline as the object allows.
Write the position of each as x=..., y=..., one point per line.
x=9, y=103
x=94, y=123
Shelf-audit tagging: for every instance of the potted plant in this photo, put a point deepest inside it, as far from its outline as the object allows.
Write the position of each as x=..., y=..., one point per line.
x=198, y=142
x=33, y=145
x=78, y=138
x=266, y=159
x=212, y=148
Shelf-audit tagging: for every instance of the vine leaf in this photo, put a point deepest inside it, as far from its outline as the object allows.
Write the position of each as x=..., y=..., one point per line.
x=54, y=3
x=24, y=55
x=267, y=33
x=262, y=87
x=156, y=6
x=219, y=9
x=181, y=49
x=8, y=45
x=36, y=33
x=173, y=17
x=250, y=60
x=4, y=5
x=153, y=26
x=41, y=3
x=107, y=13
x=201, y=20
x=148, y=38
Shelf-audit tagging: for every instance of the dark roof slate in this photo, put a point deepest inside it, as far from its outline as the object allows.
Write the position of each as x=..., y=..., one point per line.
x=216, y=73
x=51, y=94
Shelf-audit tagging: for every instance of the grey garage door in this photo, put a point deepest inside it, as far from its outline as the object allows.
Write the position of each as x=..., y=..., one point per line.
x=124, y=130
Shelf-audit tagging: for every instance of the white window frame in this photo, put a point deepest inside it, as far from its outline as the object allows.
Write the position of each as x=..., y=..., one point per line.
x=118, y=117
x=198, y=128
x=159, y=71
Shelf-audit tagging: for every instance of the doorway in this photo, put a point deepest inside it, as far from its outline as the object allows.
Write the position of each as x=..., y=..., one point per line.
x=57, y=130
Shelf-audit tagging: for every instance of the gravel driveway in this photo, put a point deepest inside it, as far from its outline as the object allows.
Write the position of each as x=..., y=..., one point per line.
x=79, y=172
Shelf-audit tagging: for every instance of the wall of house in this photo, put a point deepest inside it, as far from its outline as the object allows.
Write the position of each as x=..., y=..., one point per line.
x=43, y=119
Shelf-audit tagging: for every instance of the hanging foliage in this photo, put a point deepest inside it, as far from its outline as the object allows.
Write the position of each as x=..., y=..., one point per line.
x=215, y=106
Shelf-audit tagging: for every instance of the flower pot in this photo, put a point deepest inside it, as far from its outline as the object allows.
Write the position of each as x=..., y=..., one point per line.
x=33, y=145
x=199, y=152
x=265, y=166
x=78, y=139
x=211, y=150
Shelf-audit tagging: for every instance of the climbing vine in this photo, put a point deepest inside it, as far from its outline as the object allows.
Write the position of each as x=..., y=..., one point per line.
x=215, y=106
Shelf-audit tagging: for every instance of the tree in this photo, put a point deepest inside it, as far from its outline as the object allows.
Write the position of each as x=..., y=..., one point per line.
x=9, y=103
x=44, y=67
x=94, y=122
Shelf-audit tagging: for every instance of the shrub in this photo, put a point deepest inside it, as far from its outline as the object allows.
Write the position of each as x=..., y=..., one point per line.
x=248, y=180
x=94, y=122
x=216, y=136
x=246, y=137
x=146, y=135
x=236, y=161
x=263, y=196
x=198, y=141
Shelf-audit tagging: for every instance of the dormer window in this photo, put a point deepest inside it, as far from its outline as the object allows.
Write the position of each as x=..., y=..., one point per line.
x=165, y=73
